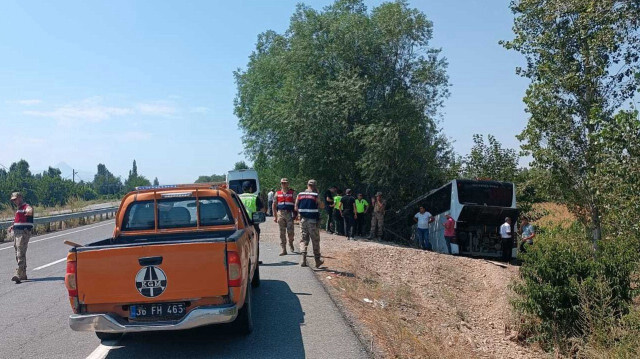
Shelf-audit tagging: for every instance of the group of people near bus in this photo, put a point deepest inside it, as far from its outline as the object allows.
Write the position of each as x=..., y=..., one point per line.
x=423, y=218
x=346, y=215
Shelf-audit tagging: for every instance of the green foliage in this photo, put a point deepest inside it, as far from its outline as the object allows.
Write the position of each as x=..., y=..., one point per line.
x=156, y=182
x=105, y=183
x=347, y=96
x=212, y=178
x=582, y=59
x=135, y=180
x=44, y=189
x=240, y=166
x=491, y=160
x=568, y=290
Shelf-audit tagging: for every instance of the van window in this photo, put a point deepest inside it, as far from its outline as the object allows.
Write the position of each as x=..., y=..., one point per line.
x=236, y=185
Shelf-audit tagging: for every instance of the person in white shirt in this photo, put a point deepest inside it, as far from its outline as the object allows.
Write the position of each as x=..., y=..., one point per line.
x=270, y=201
x=507, y=239
x=423, y=218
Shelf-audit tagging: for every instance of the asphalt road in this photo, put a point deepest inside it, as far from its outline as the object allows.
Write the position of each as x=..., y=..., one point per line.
x=293, y=316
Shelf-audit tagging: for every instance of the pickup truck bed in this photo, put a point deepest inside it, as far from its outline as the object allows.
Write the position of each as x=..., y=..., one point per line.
x=168, y=279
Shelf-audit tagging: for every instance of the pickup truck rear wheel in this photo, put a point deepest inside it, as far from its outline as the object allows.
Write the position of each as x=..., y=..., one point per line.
x=244, y=321
x=255, y=281
x=108, y=336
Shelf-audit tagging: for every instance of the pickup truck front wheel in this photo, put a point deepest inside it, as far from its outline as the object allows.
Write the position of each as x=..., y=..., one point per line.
x=244, y=321
x=108, y=336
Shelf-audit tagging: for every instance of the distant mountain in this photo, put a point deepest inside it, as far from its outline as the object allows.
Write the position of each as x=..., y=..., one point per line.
x=67, y=172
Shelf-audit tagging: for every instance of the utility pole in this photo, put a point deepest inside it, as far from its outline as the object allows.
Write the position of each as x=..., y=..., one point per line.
x=74, y=175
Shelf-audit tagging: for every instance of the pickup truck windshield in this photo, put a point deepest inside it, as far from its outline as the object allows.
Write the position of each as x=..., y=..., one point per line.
x=177, y=213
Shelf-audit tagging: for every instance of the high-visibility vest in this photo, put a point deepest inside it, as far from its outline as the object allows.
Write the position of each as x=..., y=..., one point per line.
x=250, y=203
x=285, y=200
x=22, y=220
x=336, y=202
x=308, y=205
x=361, y=204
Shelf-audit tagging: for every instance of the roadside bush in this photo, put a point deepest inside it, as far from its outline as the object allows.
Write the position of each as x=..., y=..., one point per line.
x=570, y=293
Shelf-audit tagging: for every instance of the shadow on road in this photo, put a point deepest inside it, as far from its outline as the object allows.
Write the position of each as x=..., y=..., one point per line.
x=45, y=279
x=277, y=316
x=279, y=264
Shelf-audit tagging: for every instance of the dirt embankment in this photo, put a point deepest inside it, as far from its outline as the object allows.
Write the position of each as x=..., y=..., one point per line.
x=415, y=304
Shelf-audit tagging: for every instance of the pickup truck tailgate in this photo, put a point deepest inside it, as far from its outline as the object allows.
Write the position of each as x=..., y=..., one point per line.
x=152, y=272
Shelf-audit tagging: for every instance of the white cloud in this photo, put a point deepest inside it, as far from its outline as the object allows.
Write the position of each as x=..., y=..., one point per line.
x=29, y=102
x=200, y=110
x=156, y=109
x=89, y=110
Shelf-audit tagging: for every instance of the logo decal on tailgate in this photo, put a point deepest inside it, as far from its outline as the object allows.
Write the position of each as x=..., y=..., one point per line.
x=151, y=281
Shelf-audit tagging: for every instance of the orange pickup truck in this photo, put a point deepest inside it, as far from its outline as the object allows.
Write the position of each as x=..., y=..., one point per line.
x=181, y=257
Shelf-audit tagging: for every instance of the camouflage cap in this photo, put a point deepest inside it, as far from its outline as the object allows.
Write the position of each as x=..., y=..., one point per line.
x=15, y=195
x=284, y=180
x=312, y=182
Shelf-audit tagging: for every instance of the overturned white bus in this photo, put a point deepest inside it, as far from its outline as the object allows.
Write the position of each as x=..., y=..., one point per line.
x=479, y=209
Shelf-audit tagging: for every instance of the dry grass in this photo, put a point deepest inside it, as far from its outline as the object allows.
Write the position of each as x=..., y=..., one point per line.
x=394, y=316
x=557, y=215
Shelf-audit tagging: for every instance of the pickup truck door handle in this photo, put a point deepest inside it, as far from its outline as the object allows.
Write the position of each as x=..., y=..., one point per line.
x=150, y=261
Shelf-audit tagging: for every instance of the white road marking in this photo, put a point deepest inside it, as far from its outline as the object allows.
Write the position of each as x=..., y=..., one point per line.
x=63, y=234
x=102, y=350
x=50, y=264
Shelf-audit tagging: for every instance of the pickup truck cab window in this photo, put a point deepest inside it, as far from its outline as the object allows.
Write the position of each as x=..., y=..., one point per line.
x=177, y=213
x=140, y=216
x=243, y=215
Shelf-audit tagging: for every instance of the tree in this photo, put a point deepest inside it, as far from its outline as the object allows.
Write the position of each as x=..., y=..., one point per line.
x=491, y=160
x=582, y=58
x=347, y=96
x=105, y=183
x=240, y=166
x=212, y=178
x=134, y=180
x=156, y=182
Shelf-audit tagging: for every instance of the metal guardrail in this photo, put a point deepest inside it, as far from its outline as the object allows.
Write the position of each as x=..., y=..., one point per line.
x=65, y=216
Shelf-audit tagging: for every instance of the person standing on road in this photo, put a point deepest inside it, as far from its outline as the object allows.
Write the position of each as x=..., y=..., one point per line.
x=507, y=240
x=348, y=204
x=362, y=206
x=308, y=205
x=377, y=218
x=338, y=225
x=528, y=232
x=423, y=218
x=283, y=208
x=252, y=203
x=270, y=202
x=449, y=231
x=328, y=207
x=21, y=233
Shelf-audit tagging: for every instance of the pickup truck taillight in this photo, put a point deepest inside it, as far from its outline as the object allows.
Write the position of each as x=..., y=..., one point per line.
x=235, y=269
x=70, y=278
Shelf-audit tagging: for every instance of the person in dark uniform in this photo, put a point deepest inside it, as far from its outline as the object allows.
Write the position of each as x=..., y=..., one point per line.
x=328, y=207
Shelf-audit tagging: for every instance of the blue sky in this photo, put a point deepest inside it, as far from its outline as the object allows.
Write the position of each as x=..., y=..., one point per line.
x=87, y=82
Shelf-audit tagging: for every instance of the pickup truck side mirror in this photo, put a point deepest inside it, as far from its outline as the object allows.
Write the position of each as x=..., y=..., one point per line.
x=258, y=217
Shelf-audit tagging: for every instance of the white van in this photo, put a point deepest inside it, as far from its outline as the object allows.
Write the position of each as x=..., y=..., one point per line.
x=235, y=179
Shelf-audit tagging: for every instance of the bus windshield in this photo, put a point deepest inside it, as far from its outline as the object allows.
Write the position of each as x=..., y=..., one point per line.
x=488, y=193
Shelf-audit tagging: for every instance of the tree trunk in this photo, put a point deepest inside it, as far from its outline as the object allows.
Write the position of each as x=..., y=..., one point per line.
x=596, y=226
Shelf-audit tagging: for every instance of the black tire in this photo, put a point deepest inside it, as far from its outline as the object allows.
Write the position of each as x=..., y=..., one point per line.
x=255, y=281
x=108, y=336
x=244, y=321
